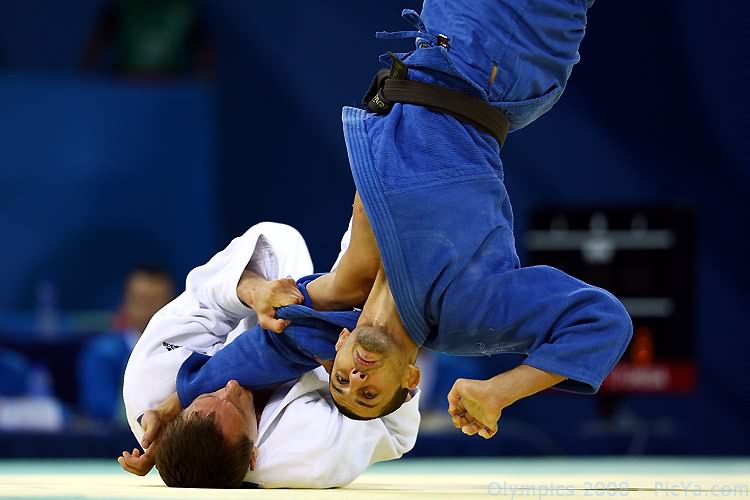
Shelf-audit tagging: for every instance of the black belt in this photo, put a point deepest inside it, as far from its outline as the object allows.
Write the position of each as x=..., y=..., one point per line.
x=392, y=86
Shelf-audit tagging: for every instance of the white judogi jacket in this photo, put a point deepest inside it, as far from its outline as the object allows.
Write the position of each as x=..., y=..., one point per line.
x=304, y=442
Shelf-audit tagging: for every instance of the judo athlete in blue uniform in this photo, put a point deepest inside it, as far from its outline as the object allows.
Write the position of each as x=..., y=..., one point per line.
x=443, y=272
x=432, y=187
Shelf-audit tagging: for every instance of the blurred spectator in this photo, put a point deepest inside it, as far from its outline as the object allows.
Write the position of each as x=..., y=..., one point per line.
x=102, y=361
x=150, y=39
x=26, y=399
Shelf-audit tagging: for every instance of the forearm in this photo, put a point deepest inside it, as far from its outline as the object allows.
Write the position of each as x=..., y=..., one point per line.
x=350, y=283
x=331, y=292
x=322, y=292
x=169, y=408
x=520, y=382
x=476, y=405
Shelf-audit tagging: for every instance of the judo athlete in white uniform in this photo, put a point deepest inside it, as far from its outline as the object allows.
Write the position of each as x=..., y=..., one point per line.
x=298, y=439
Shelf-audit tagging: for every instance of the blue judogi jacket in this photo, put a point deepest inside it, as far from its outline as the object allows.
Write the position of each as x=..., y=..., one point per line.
x=433, y=191
x=259, y=358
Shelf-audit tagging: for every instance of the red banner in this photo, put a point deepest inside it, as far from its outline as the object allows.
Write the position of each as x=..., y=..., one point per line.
x=674, y=376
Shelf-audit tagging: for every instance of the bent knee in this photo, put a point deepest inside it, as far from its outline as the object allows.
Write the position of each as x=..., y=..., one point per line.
x=617, y=315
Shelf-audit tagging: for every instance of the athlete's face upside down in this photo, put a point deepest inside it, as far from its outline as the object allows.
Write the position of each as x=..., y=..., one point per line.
x=233, y=410
x=371, y=375
x=211, y=443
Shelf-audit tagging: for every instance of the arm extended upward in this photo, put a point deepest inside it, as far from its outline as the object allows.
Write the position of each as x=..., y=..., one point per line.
x=350, y=283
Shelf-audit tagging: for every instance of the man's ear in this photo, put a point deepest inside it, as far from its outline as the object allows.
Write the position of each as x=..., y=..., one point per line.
x=342, y=338
x=254, y=457
x=412, y=377
x=327, y=364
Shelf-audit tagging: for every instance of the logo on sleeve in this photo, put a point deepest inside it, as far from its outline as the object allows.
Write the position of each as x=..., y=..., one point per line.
x=170, y=347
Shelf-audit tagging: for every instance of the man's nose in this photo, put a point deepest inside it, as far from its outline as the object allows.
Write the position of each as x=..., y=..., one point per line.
x=357, y=375
x=233, y=387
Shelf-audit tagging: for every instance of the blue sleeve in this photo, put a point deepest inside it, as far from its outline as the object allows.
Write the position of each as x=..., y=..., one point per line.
x=259, y=358
x=564, y=325
x=302, y=285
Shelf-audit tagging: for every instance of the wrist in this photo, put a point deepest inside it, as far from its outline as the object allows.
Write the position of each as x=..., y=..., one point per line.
x=169, y=408
x=324, y=294
x=247, y=288
x=316, y=290
x=500, y=393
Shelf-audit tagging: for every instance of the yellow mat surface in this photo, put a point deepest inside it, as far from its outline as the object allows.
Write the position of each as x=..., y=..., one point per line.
x=414, y=479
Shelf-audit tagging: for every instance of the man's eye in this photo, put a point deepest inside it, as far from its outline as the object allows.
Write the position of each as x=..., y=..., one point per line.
x=341, y=380
x=370, y=395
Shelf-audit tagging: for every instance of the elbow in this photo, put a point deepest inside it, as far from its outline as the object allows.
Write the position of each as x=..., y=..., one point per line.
x=405, y=443
x=624, y=323
x=617, y=323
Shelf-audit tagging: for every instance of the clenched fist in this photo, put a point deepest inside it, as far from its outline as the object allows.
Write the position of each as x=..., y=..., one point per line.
x=474, y=407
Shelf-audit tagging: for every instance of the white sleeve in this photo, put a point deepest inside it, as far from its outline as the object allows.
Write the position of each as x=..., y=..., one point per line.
x=403, y=425
x=335, y=450
x=200, y=319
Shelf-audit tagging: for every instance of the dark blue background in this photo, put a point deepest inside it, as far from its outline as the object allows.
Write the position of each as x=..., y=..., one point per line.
x=97, y=175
